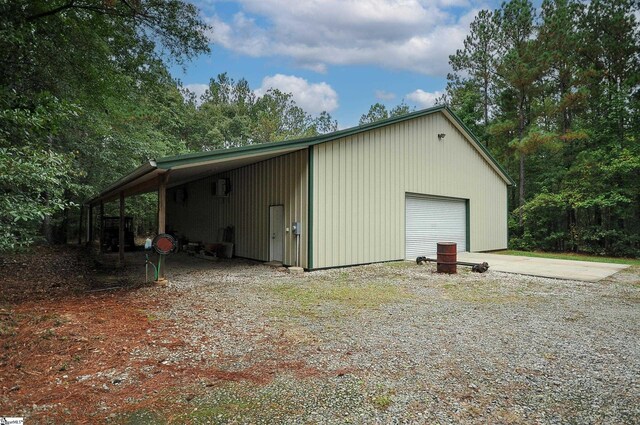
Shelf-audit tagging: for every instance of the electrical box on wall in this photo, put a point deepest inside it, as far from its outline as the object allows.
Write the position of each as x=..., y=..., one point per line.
x=296, y=228
x=221, y=188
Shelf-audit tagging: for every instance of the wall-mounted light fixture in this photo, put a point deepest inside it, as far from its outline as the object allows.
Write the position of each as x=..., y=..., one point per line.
x=441, y=136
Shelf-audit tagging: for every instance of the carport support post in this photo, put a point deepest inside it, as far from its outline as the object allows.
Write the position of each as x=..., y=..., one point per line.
x=90, y=225
x=162, y=208
x=80, y=224
x=162, y=203
x=121, y=232
x=100, y=248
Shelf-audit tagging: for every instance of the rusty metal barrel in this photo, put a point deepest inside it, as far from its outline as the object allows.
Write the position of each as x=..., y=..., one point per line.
x=447, y=257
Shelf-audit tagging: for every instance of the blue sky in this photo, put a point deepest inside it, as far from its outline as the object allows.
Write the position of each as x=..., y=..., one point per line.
x=336, y=55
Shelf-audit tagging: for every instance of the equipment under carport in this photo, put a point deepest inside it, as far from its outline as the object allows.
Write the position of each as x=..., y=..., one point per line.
x=110, y=233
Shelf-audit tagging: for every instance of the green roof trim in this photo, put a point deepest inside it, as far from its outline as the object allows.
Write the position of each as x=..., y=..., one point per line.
x=197, y=157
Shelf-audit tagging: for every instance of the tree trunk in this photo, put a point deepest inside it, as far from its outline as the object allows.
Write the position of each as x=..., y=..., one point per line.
x=47, y=231
x=521, y=189
x=486, y=109
x=522, y=155
x=64, y=227
x=80, y=222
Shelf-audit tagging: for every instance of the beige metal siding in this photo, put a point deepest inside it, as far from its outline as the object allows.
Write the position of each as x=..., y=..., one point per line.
x=279, y=181
x=360, y=184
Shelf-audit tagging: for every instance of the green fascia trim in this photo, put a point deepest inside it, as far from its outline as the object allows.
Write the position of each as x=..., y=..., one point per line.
x=468, y=224
x=483, y=147
x=310, y=212
x=197, y=157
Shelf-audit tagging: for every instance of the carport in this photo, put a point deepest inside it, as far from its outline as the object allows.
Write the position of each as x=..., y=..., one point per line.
x=163, y=174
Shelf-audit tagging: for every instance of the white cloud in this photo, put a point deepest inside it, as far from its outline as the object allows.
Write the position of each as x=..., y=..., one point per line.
x=401, y=34
x=312, y=97
x=453, y=3
x=424, y=99
x=320, y=68
x=197, y=89
x=384, y=95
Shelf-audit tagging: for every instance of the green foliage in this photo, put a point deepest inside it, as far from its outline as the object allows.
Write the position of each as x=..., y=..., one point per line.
x=230, y=114
x=541, y=220
x=35, y=180
x=563, y=117
x=378, y=112
x=32, y=186
x=85, y=96
x=471, y=96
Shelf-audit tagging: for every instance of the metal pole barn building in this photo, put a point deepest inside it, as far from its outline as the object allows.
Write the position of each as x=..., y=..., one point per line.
x=384, y=191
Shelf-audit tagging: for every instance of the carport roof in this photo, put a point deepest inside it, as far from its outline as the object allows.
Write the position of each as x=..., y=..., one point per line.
x=191, y=166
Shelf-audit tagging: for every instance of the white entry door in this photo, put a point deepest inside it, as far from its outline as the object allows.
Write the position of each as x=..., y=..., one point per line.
x=276, y=233
x=430, y=220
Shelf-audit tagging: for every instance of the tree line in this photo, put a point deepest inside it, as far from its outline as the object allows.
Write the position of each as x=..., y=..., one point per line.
x=86, y=95
x=554, y=93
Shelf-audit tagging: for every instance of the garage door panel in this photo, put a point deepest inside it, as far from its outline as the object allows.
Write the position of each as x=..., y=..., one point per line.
x=430, y=220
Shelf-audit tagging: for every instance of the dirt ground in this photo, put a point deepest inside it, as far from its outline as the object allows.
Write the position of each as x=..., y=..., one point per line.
x=238, y=342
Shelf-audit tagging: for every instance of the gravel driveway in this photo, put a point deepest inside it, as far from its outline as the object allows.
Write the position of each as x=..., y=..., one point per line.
x=397, y=343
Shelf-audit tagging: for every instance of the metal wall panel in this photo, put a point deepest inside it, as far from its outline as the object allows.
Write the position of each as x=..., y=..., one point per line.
x=360, y=183
x=430, y=220
x=279, y=181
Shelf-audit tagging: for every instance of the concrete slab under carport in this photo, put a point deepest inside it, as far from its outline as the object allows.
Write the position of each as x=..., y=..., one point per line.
x=544, y=267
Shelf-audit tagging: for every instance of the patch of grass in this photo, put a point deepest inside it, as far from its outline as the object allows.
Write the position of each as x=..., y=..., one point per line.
x=335, y=298
x=383, y=399
x=485, y=292
x=224, y=410
x=572, y=256
x=241, y=403
x=54, y=319
x=140, y=417
x=382, y=402
x=150, y=316
x=287, y=399
x=8, y=323
x=47, y=334
x=400, y=264
x=633, y=270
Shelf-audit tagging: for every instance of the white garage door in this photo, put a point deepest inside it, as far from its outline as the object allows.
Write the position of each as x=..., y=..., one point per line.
x=430, y=220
